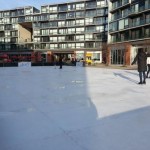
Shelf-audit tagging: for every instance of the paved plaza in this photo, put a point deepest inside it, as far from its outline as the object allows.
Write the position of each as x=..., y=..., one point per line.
x=74, y=108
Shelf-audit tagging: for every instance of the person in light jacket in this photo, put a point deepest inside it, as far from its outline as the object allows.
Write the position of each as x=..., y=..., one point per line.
x=141, y=58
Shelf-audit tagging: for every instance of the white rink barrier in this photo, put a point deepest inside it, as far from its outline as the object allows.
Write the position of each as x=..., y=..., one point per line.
x=80, y=64
x=24, y=64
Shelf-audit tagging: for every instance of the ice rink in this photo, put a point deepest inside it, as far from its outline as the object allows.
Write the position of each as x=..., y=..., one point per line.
x=74, y=108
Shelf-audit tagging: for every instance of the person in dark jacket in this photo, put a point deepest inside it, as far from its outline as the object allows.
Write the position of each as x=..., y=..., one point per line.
x=141, y=58
x=60, y=62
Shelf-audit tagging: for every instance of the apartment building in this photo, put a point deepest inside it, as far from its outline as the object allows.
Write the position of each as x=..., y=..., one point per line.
x=77, y=28
x=129, y=29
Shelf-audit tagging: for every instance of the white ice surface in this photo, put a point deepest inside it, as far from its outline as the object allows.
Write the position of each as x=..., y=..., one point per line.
x=43, y=108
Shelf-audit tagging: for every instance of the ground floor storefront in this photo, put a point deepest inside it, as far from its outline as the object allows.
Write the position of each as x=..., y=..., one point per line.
x=124, y=53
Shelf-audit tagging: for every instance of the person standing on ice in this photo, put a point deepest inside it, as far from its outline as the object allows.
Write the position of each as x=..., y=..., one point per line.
x=60, y=62
x=141, y=58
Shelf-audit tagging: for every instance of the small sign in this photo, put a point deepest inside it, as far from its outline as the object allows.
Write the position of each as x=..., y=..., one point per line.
x=24, y=64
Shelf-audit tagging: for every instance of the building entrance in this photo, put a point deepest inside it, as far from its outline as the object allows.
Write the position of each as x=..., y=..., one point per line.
x=117, y=57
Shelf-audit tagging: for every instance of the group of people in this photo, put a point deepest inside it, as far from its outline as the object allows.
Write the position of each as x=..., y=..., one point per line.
x=143, y=63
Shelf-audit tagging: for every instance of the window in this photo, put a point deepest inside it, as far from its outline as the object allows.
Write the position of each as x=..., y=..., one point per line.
x=71, y=15
x=63, y=46
x=7, y=40
x=62, y=31
x=53, y=39
x=45, y=32
x=45, y=39
x=100, y=28
x=88, y=21
x=6, y=20
x=6, y=14
x=61, y=24
x=101, y=11
x=1, y=27
x=135, y=8
x=14, y=26
x=28, y=18
x=121, y=24
x=79, y=45
x=71, y=6
x=44, y=9
x=88, y=36
x=80, y=22
x=80, y=6
x=14, y=20
x=44, y=46
x=99, y=20
x=90, y=4
x=90, y=13
x=14, y=33
x=36, y=39
x=70, y=37
x=53, y=31
x=61, y=38
x=2, y=40
x=71, y=23
x=62, y=7
x=101, y=3
x=7, y=33
x=36, y=32
x=147, y=32
x=79, y=37
x=80, y=30
x=28, y=11
x=71, y=45
x=53, y=16
x=80, y=14
x=62, y=16
x=37, y=18
x=53, y=9
x=53, y=46
x=53, y=24
x=71, y=30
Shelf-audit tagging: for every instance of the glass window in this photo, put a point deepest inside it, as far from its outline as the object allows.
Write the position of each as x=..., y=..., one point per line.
x=121, y=24
x=90, y=13
x=44, y=9
x=79, y=37
x=88, y=36
x=80, y=30
x=61, y=24
x=71, y=30
x=80, y=14
x=53, y=9
x=62, y=16
x=45, y=32
x=62, y=31
x=71, y=45
x=88, y=21
x=53, y=46
x=80, y=6
x=79, y=45
x=53, y=31
x=36, y=39
x=61, y=38
x=101, y=3
x=53, y=39
x=53, y=16
x=80, y=22
x=36, y=32
x=63, y=46
x=71, y=6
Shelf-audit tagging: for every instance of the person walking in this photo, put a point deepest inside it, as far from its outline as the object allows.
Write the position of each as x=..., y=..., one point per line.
x=148, y=66
x=141, y=58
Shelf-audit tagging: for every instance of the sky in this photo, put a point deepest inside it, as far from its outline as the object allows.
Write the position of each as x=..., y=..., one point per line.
x=10, y=4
